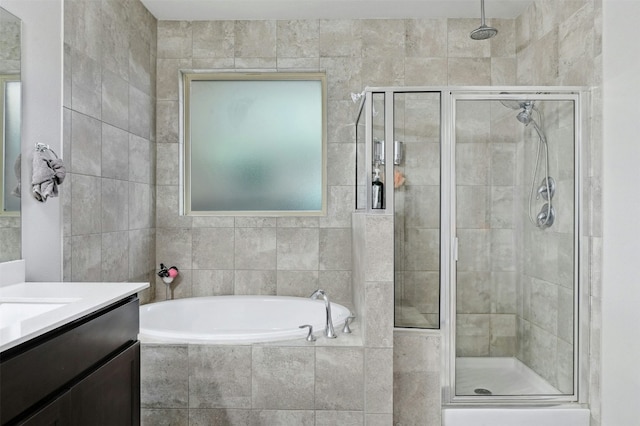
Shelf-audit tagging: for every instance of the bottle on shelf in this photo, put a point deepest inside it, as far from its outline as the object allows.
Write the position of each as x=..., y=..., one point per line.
x=377, y=191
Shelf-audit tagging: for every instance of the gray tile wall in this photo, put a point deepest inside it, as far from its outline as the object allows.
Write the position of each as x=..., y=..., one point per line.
x=354, y=53
x=10, y=235
x=109, y=141
x=560, y=43
x=487, y=197
x=10, y=53
x=417, y=391
x=373, y=270
x=288, y=383
x=350, y=62
x=451, y=58
x=546, y=277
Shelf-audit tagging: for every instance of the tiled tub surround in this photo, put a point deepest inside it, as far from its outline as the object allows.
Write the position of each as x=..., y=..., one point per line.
x=347, y=380
x=286, y=383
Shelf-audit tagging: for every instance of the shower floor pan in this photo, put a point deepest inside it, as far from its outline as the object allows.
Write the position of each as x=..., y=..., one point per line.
x=498, y=376
x=507, y=377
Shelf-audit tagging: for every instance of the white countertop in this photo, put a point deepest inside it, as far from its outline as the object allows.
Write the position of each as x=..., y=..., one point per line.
x=62, y=301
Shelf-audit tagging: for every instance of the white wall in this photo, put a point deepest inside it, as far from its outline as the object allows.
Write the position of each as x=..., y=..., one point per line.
x=42, y=76
x=621, y=232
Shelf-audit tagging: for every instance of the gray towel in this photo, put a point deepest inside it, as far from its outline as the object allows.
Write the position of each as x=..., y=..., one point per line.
x=17, y=169
x=47, y=175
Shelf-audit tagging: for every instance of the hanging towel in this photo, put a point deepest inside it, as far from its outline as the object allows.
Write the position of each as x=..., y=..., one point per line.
x=48, y=173
x=17, y=169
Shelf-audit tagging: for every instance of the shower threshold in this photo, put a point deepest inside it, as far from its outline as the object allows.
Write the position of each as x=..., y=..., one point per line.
x=498, y=376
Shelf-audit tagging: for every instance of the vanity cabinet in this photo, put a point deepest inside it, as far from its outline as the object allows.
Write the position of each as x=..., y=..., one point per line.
x=84, y=373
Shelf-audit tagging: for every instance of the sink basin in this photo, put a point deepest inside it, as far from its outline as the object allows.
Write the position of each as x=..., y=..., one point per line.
x=13, y=312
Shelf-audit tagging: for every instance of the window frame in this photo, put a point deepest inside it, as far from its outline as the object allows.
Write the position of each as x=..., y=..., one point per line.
x=185, y=162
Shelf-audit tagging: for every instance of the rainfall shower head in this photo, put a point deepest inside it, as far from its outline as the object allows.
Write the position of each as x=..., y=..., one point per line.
x=483, y=32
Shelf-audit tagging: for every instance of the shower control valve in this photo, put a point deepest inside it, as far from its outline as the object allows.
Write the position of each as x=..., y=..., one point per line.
x=547, y=188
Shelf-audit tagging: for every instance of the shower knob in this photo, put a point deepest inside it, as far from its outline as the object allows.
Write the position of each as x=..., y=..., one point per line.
x=546, y=216
x=542, y=189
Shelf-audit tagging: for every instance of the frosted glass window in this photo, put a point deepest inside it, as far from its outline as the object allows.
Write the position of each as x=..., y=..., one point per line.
x=255, y=143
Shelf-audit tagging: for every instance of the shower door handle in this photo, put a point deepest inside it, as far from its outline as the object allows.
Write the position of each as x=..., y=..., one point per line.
x=455, y=249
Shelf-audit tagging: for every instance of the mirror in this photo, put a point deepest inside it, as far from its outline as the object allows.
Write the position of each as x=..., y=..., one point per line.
x=10, y=116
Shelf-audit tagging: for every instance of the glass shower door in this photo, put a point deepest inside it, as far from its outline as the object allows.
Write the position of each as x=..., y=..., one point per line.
x=515, y=223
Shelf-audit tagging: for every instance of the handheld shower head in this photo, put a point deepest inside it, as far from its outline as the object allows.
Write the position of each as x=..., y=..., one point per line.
x=524, y=116
x=512, y=104
x=517, y=104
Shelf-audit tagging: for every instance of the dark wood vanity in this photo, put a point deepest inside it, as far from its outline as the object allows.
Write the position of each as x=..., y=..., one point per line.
x=84, y=373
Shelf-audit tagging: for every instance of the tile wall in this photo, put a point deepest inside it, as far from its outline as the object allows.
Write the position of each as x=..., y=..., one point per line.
x=557, y=43
x=242, y=255
x=10, y=235
x=560, y=43
x=290, y=384
x=546, y=275
x=9, y=44
x=109, y=141
x=417, y=385
x=111, y=71
x=486, y=210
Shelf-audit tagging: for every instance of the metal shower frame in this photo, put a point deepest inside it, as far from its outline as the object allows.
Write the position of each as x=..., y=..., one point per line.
x=449, y=95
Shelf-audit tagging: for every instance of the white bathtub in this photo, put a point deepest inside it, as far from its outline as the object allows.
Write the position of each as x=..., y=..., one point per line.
x=235, y=319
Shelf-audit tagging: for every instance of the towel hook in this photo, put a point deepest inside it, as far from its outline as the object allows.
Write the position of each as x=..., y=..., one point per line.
x=41, y=147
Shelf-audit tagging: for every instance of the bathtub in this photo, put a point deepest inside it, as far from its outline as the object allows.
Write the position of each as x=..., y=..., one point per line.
x=235, y=319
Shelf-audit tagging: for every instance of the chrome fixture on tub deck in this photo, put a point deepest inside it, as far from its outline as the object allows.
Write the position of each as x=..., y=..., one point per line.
x=310, y=337
x=328, y=330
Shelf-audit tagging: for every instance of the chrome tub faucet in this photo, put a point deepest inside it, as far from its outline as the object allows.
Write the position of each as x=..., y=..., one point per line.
x=328, y=330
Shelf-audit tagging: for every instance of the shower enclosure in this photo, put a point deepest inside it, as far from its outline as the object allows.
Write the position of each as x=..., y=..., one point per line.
x=486, y=200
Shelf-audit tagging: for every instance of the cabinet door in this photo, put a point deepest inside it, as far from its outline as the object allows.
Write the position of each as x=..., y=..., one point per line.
x=111, y=394
x=53, y=414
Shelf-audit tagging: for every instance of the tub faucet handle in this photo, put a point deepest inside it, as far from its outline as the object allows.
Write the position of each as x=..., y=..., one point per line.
x=348, y=321
x=328, y=330
x=310, y=337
